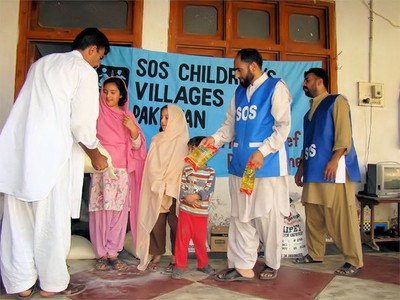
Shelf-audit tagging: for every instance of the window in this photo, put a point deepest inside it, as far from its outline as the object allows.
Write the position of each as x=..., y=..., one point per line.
x=281, y=30
x=81, y=14
x=201, y=20
x=52, y=26
x=253, y=24
x=304, y=28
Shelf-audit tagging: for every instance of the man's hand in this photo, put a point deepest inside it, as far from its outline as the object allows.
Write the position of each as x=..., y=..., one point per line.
x=99, y=161
x=208, y=141
x=298, y=178
x=332, y=165
x=257, y=158
x=330, y=170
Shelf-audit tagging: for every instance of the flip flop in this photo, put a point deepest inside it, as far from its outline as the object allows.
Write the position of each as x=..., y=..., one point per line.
x=347, y=270
x=307, y=259
x=268, y=271
x=70, y=291
x=231, y=275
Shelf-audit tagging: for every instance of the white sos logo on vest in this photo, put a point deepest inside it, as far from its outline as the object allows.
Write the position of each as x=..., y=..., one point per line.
x=310, y=151
x=246, y=112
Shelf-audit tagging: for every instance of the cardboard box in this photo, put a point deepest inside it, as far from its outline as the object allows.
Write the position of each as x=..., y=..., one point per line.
x=219, y=238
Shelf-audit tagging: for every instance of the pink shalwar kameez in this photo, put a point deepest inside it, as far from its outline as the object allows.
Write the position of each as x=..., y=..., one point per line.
x=111, y=198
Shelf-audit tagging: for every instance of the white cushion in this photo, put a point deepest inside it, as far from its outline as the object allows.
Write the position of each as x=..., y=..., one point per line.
x=129, y=245
x=81, y=248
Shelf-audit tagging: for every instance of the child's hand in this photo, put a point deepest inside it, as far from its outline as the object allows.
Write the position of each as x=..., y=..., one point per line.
x=128, y=123
x=193, y=199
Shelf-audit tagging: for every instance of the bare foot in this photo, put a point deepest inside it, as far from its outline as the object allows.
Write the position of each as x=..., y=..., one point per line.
x=173, y=259
x=27, y=293
x=156, y=259
x=248, y=273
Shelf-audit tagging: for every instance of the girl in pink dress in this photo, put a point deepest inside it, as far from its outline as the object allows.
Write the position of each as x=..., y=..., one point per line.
x=111, y=197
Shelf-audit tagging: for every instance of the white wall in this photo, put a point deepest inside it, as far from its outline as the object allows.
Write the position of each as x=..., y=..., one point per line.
x=9, y=10
x=352, y=30
x=352, y=18
x=155, y=25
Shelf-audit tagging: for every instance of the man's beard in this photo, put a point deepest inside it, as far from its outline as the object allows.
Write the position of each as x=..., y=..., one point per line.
x=247, y=81
x=308, y=93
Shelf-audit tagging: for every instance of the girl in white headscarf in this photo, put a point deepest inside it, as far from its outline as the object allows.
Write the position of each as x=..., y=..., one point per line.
x=160, y=187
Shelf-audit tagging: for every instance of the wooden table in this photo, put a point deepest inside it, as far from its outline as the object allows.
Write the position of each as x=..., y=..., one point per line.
x=371, y=202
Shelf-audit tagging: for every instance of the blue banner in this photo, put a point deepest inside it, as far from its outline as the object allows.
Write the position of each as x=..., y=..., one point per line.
x=203, y=87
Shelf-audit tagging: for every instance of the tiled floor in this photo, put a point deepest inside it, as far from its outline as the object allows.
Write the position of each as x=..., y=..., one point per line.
x=379, y=279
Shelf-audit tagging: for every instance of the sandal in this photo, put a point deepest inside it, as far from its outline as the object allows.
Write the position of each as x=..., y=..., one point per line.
x=307, y=259
x=170, y=268
x=231, y=275
x=152, y=267
x=118, y=264
x=207, y=270
x=102, y=264
x=347, y=270
x=32, y=291
x=177, y=273
x=268, y=273
x=71, y=290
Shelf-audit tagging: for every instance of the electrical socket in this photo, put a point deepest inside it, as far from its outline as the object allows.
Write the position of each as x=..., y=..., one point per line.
x=370, y=94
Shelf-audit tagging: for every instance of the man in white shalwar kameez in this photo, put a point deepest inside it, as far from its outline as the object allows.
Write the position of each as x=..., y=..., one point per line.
x=258, y=122
x=41, y=165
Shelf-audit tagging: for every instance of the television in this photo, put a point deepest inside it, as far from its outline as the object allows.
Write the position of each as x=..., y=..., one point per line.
x=383, y=179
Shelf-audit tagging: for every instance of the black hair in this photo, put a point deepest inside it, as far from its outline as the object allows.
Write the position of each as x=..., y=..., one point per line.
x=121, y=87
x=250, y=55
x=195, y=141
x=91, y=37
x=320, y=73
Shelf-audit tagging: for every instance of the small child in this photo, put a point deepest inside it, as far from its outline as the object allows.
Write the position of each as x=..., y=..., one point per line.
x=195, y=191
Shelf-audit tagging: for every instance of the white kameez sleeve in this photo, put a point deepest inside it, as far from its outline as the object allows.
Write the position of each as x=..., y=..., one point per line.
x=281, y=101
x=85, y=110
x=226, y=132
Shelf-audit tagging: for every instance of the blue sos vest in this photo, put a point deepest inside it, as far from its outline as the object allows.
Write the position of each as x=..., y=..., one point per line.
x=253, y=124
x=319, y=138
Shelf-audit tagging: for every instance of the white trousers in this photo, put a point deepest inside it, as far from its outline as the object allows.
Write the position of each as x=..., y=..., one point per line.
x=244, y=240
x=35, y=240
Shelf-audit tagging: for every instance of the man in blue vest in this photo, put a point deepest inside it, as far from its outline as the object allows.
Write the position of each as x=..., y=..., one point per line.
x=327, y=174
x=258, y=123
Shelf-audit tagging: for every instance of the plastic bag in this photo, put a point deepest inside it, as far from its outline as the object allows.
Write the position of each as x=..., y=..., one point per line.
x=294, y=236
x=199, y=156
x=249, y=176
